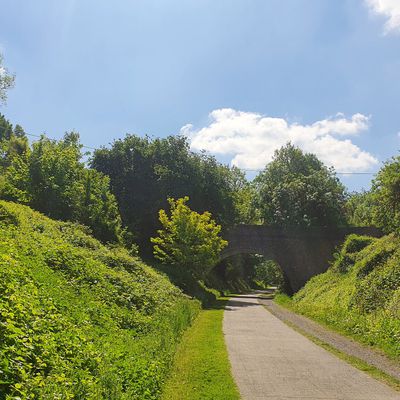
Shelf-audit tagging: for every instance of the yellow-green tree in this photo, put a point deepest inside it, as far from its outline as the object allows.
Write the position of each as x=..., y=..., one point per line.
x=188, y=240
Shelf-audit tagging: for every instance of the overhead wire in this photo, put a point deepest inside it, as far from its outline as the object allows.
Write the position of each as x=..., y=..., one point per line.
x=242, y=169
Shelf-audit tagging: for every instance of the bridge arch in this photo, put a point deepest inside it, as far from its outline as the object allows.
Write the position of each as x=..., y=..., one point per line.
x=301, y=252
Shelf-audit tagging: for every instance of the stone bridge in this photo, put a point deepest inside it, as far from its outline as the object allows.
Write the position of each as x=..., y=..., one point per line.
x=300, y=252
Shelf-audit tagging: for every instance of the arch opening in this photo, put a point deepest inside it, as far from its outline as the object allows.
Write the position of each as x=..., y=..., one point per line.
x=242, y=272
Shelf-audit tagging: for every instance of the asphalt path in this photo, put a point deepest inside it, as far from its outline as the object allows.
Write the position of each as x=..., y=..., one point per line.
x=272, y=361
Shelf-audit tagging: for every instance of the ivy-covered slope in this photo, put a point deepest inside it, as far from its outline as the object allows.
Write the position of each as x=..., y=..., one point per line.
x=360, y=293
x=79, y=320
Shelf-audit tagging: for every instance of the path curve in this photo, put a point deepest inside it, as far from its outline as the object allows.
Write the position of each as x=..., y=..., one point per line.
x=272, y=361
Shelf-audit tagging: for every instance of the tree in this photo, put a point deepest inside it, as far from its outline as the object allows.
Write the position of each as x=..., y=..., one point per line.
x=51, y=178
x=144, y=172
x=386, y=196
x=360, y=208
x=6, y=81
x=297, y=189
x=188, y=240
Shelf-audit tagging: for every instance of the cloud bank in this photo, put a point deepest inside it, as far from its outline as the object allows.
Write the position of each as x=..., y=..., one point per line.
x=390, y=9
x=250, y=139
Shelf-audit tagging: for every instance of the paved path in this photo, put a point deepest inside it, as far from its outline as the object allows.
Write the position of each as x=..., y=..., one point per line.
x=272, y=361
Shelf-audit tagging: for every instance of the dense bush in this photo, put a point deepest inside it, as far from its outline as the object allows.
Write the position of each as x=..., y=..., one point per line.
x=79, y=320
x=188, y=241
x=360, y=293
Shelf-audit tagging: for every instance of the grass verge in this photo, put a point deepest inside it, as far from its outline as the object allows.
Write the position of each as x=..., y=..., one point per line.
x=354, y=361
x=201, y=369
x=286, y=302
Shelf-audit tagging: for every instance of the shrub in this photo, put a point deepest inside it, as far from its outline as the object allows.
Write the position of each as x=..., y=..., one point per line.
x=188, y=240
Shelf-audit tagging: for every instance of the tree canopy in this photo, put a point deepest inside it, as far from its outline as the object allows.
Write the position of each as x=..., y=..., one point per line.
x=360, y=208
x=51, y=177
x=386, y=196
x=144, y=172
x=298, y=189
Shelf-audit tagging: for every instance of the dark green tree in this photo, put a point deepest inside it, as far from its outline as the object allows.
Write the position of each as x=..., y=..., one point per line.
x=296, y=189
x=386, y=196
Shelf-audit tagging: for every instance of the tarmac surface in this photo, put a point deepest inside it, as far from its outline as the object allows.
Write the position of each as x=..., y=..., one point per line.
x=272, y=361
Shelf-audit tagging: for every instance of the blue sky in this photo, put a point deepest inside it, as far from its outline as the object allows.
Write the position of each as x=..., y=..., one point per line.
x=240, y=78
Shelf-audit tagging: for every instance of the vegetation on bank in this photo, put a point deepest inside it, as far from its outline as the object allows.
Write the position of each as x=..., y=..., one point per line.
x=201, y=370
x=360, y=293
x=80, y=320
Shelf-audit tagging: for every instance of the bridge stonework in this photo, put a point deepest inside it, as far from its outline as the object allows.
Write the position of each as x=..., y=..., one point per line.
x=300, y=252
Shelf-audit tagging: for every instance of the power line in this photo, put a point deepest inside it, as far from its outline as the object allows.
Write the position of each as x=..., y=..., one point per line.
x=338, y=173
x=39, y=136
x=242, y=169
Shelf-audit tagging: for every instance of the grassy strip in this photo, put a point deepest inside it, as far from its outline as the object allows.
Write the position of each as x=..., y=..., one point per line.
x=201, y=368
x=285, y=301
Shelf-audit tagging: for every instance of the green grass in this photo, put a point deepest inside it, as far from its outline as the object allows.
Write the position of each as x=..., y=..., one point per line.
x=201, y=369
x=359, y=295
x=79, y=320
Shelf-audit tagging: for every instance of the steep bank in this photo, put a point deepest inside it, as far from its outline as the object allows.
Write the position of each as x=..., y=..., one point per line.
x=79, y=320
x=360, y=293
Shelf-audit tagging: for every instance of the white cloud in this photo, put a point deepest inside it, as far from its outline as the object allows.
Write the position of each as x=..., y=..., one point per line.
x=390, y=9
x=250, y=139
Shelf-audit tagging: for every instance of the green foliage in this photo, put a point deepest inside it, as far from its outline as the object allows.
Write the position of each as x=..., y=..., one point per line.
x=79, y=320
x=377, y=255
x=360, y=293
x=188, y=240
x=13, y=143
x=359, y=209
x=145, y=172
x=297, y=189
x=386, y=196
x=346, y=257
x=269, y=273
x=6, y=81
x=381, y=205
x=52, y=179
